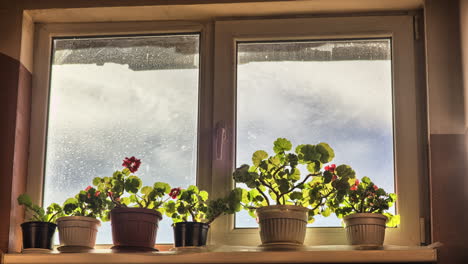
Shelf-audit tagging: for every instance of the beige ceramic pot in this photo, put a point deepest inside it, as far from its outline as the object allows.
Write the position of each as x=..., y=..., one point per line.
x=366, y=230
x=78, y=231
x=282, y=224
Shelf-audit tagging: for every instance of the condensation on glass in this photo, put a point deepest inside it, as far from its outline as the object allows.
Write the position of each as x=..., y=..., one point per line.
x=116, y=97
x=336, y=91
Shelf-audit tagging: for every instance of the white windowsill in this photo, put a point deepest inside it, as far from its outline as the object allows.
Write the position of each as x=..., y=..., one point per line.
x=229, y=254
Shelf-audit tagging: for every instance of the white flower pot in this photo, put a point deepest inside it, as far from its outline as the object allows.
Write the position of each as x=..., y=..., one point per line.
x=366, y=230
x=282, y=224
x=78, y=231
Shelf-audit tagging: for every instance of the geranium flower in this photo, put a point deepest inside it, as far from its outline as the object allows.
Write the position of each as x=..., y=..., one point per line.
x=88, y=188
x=131, y=163
x=376, y=188
x=353, y=188
x=334, y=177
x=97, y=193
x=110, y=194
x=174, y=193
x=356, y=182
x=331, y=168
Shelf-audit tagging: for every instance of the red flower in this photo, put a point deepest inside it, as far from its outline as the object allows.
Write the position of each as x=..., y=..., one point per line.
x=334, y=177
x=353, y=188
x=376, y=188
x=89, y=195
x=131, y=163
x=88, y=188
x=356, y=182
x=110, y=194
x=331, y=168
x=174, y=193
x=97, y=193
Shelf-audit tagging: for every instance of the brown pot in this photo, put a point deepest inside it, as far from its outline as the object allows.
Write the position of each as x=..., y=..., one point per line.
x=134, y=227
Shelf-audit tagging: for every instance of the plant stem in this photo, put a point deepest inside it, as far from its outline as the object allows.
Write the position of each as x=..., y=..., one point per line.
x=272, y=189
x=264, y=195
x=299, y=184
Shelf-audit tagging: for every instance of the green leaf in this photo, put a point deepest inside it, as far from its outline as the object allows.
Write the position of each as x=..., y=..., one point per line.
x=295, y=175
x=132, y=184
x=162, y=187
x=203, y=195
x=25, y=199
x=314, y=166
x=146, y=190
x=327, y=153
x=366, y=180
x=97, y=181
x=326, y=212
x=296, y=195
x=282, y=145
x=258, y=156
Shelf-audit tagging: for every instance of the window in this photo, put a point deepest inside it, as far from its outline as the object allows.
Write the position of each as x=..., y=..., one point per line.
x=167, y=70
x=334, y=91
x=139, y=97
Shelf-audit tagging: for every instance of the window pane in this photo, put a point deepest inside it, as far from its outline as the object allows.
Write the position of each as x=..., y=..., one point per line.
x=339, y=92
x=118, y=97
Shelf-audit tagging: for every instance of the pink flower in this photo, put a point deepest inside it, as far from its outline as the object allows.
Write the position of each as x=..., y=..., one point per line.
x=88, y=188
x=331, y=168
x=174, y=193
x=131, y=163
x=376, y=188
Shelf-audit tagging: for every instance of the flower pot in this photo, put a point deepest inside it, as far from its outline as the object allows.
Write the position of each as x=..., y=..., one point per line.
x=38, y=234
x=190, y=234
x=282, y=224
x=77, y=231
x=134, y=228
x=366, y=230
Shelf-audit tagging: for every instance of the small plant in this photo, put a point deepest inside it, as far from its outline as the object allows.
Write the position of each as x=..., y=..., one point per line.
x=88, y=202
x=193, y=204
x=364, y=197
x=37, y=213
x=277, y=179
x=124, y=182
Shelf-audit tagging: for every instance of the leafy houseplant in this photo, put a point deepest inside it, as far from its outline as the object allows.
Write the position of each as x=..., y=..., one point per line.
x=364, y=209
x=277, y=180
x=39, y=231
x=78, y=229
x=135, y=210
x=193, y=204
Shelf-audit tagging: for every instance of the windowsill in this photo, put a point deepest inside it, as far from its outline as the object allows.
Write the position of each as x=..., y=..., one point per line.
x=239, y=254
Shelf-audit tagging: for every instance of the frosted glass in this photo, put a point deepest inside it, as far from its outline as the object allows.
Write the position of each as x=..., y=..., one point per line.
x=112, y=98
x=339, y=92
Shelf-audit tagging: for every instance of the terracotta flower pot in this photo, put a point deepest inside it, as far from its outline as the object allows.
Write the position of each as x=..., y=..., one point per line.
x=134, y=228
x=366, y=230
x=77, y=231
x=282, y=224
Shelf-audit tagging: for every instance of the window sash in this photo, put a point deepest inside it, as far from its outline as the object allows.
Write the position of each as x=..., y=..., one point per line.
x=408, y=158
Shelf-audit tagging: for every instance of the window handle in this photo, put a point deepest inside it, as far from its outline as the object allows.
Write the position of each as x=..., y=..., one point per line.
x=220, y=139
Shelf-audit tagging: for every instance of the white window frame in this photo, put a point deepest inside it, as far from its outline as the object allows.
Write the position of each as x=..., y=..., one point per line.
x=44, y=34
x=217, y=93
x=408, y=158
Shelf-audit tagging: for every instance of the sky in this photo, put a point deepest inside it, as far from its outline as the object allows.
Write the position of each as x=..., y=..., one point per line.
x=101, y=114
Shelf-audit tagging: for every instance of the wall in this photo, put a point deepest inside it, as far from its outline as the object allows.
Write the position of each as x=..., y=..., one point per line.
x=447, y=138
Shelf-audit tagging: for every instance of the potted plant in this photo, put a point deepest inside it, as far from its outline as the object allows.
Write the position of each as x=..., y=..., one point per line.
x=39, y=231
x=364, y=209
x=78, y=229
x=135, y=209
x=192, y=213
x=282, y=200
